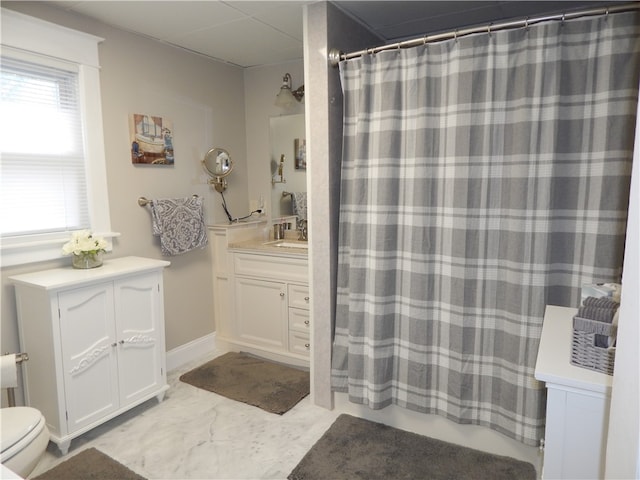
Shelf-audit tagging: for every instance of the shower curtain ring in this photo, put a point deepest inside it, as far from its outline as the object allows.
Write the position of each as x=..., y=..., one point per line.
x=489, y=29
x=526, y=23
x=455, y=35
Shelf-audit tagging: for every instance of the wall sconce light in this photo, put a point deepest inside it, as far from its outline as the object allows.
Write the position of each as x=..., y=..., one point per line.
x=280, y=172
x=287, y=97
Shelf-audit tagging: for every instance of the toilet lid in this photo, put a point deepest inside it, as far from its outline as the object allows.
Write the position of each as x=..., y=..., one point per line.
x=16, y=423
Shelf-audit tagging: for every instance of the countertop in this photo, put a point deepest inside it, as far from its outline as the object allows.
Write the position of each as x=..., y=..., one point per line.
x=239, y=224
x=554, y=354
x=263, y=246
x=57, y=278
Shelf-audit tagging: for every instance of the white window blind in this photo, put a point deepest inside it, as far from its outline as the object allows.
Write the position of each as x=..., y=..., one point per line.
x=53, y=176
x=43, y=183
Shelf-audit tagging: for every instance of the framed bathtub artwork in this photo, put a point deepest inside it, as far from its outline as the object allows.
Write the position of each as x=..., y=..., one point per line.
x=151, y=140
x=300, y=148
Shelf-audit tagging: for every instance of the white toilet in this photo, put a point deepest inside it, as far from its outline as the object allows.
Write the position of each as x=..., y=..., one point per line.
x=23, y=437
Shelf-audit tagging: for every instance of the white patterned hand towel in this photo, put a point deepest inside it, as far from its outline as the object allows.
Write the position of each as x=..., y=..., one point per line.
x=179, y=222
x=299, y=204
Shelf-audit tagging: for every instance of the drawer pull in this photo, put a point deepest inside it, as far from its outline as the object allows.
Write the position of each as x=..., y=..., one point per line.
x=306, y=299
x=306, y=322
x=281, y=294
x=307, y=345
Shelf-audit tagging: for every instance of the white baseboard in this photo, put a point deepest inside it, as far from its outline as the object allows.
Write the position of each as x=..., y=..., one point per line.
x=191, y=351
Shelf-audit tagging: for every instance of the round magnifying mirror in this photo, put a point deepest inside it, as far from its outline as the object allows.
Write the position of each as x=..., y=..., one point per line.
x=218, y=164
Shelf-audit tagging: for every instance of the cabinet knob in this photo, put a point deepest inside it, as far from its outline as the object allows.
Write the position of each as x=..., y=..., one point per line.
x=306, y=322
x=307, y=345
x=282, y=294
x=306, y=299
x=121, y=342
x=114, y=344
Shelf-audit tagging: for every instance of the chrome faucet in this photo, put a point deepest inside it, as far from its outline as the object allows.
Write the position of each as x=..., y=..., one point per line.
x=302, y=227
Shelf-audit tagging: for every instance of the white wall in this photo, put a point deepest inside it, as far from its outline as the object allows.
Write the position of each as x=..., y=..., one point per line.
x=623, y=444
x=205, y=101
x=210, y=104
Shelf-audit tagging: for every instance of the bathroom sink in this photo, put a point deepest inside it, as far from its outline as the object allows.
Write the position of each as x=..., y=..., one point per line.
x=288, y=244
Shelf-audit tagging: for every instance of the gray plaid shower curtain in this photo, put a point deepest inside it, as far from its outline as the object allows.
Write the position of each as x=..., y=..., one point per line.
x=482, y=179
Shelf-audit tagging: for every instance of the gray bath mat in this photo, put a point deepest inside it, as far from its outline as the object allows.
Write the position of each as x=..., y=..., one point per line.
x=354, y=448
x=90, y=464
x=273, y=387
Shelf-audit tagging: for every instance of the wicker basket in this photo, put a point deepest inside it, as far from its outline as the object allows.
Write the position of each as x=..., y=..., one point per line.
x=585, y=353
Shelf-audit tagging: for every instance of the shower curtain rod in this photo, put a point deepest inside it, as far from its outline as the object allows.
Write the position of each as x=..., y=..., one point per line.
x=335, y=55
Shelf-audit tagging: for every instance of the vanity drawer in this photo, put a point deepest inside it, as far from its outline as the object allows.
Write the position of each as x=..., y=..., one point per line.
x=271, y=267
x=299, y=343
x=299, y=320
x=299, y=296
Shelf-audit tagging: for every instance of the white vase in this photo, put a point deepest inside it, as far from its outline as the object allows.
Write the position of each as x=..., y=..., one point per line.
x=87, y=260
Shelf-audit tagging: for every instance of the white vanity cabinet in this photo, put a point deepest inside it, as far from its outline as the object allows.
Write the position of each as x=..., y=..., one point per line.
x=577, y=404
x=272, y=305
x=260, y=293
x=220, y=237
x=95, y=340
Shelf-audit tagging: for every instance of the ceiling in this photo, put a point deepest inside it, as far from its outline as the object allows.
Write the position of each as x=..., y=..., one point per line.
x=250, y=33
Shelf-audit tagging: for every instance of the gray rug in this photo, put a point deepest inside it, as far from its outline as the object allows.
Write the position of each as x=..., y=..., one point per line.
x=90, y=464
x=354, y=448
x=271, y=386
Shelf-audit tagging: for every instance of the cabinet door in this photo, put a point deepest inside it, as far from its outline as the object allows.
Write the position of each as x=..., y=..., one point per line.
x=88, y=353
x=261, y=308
x=576, y=434
x=140, y=335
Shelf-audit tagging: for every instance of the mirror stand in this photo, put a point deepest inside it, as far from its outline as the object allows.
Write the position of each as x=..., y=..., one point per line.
x=219, y=183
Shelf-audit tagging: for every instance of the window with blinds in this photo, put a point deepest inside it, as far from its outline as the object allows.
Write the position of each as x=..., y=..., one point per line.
x=43, y=186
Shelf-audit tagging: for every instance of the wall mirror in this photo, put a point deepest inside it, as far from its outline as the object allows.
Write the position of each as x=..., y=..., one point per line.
x=288, y=177
x=218, y=165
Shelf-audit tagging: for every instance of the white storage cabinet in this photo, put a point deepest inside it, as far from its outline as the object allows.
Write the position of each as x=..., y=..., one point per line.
x=95, y=340
x=578, y=402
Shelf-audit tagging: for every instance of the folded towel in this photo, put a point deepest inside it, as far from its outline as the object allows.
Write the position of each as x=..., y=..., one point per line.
x=299, y=204
x=600, y=302
x=598, y=314
x=179, y=222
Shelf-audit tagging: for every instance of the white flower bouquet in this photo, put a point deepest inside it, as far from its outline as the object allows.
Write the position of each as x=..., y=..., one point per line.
x=86, y=248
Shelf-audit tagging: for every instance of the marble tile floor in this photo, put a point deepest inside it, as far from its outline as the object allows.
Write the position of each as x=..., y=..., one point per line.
x=196, y=434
